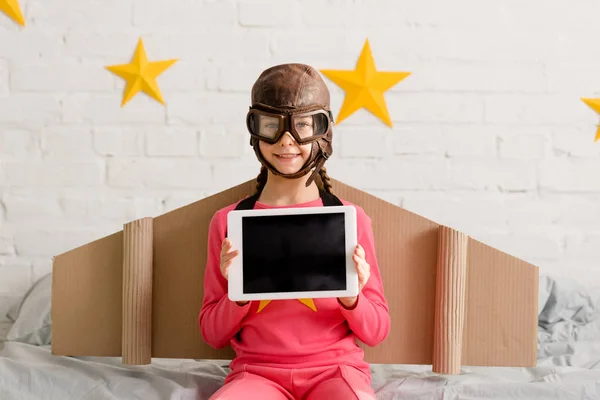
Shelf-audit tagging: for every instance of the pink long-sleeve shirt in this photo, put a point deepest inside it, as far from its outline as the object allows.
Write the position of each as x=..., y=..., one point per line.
x=287, y=333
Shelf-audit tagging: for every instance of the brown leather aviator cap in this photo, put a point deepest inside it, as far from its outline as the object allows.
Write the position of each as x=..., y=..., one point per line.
x=282, y=94
x=291, y=86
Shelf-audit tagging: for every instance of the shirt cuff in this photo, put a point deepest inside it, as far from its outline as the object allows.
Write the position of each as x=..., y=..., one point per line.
x=236, y=309
x=354, y=307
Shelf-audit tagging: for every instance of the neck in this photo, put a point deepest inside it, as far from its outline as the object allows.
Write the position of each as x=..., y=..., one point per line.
x=280, y=191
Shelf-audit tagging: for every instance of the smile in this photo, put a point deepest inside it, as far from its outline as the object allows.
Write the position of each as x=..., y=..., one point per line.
x=287, y=156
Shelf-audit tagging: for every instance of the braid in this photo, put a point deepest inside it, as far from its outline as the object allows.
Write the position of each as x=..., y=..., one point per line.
x=261, y=179
x=325, y=180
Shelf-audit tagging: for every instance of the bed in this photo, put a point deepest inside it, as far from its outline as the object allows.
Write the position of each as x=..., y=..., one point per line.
x=568, y=361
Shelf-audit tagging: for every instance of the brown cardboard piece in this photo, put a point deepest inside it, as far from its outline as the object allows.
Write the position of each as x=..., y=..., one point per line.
x=453, y=300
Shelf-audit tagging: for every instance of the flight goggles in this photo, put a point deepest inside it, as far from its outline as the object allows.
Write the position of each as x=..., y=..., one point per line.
x=305, y=125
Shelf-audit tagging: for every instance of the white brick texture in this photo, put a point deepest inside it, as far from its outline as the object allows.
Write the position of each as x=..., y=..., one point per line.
x=172, y=142
x=66, y=76
x=178, y=173
x=4, y=79
x=6, y=244
x=16, y=275
x=489, y=131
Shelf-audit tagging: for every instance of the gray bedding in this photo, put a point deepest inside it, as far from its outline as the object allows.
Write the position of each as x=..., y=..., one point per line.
x=568, y=366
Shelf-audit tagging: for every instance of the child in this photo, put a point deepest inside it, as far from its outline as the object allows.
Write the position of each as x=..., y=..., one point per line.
x=290, y=349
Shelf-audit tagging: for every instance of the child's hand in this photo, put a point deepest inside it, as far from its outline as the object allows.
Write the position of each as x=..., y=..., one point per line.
x=362, y=267
x=227, y=256
x=364, y=272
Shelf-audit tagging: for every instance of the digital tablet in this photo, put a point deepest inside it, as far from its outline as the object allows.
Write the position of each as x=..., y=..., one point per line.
x=293, y=253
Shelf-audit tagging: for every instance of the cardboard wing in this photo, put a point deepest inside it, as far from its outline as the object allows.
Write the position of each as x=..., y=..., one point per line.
x=453, y=300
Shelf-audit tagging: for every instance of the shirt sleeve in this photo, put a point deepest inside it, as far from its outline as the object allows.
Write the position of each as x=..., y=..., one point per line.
x=369, y=319
x=220, y=318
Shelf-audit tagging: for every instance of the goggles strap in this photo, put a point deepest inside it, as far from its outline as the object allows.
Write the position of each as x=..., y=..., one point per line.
x=321, y=158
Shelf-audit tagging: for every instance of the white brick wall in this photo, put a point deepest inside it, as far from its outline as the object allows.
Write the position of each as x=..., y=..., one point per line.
x=489, y=135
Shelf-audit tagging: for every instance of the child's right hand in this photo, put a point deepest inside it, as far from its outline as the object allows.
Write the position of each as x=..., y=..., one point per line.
x=226, y=256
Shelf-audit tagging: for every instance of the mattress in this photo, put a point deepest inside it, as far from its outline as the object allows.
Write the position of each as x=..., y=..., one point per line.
x=568, y=367
x=31, y=372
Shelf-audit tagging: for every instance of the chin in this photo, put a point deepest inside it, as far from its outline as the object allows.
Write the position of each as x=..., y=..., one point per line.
x=288, y=171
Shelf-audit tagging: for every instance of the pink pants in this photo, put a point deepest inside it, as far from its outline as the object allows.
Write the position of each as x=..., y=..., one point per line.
x=269, y=383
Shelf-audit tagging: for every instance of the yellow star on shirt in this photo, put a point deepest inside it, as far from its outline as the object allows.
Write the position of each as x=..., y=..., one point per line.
x=365, y=86
x=141, y=74
x=11, y=9
x=307, y=302
x=594, y=105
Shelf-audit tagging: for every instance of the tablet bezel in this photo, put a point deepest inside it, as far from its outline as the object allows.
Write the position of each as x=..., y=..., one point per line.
x=235, y=273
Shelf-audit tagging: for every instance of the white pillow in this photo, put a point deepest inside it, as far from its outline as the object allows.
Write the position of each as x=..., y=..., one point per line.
x=33, y=321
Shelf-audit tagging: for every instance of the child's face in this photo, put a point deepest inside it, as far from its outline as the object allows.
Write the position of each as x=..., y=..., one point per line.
x=287, y=156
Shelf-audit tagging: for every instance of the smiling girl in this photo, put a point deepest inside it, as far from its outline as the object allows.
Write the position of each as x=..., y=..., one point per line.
x=290, y=349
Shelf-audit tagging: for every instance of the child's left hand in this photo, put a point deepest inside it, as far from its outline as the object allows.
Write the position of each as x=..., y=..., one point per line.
x=364, y=272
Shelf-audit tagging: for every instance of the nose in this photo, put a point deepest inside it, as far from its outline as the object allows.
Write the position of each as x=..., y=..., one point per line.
x=287, y=138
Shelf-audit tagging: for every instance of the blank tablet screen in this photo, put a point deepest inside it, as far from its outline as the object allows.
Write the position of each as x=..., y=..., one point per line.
x=294, y=253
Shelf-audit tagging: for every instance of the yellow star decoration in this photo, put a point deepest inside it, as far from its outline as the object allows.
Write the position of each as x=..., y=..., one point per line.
x=11, y=8
x=594, y=105
x=141, y=74
x=365, y=86
x=307, y=302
